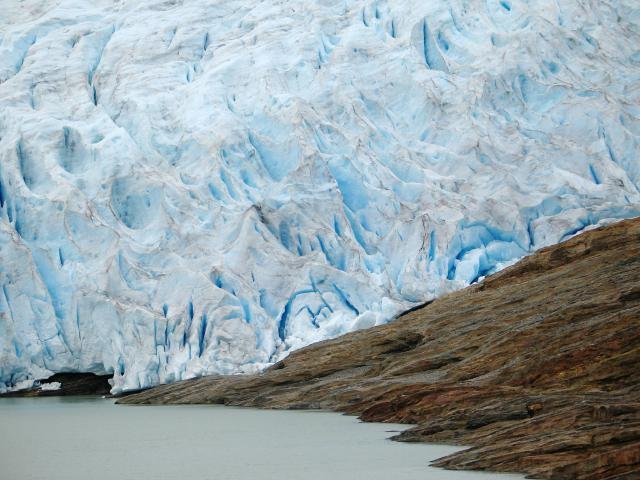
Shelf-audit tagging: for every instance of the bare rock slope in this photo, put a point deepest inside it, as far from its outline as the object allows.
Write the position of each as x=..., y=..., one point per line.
x=537, y=367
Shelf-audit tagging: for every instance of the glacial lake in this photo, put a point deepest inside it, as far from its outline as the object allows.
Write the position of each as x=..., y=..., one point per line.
x=94, y=439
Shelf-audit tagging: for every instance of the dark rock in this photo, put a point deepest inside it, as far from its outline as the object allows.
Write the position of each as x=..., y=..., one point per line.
x=71, y=384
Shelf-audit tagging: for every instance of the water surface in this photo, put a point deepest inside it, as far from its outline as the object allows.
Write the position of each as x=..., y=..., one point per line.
x=93, y=439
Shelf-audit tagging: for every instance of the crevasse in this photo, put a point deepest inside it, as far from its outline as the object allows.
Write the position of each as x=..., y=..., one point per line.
x=200, y=187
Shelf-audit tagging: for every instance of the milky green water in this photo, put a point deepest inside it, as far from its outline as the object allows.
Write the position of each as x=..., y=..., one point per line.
x=93, y=439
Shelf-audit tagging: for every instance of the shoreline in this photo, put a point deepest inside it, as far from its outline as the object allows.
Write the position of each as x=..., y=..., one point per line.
x=536, y=367
x=74, y=435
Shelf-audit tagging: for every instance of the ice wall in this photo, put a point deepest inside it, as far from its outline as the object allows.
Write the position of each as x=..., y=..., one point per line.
x=199, y=187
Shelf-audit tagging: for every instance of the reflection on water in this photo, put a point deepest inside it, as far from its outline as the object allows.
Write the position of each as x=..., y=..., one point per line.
x=93, y=439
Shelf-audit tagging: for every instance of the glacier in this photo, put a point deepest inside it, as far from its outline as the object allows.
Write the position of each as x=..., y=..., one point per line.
x=200, y=187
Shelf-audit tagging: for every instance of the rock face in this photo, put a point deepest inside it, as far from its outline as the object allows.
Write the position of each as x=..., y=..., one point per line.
x=197, y=187
x=537, y=367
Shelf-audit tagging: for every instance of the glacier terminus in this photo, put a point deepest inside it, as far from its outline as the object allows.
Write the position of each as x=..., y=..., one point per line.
x=199, y=187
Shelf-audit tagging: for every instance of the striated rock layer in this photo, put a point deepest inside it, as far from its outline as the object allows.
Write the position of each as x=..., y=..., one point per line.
x=537, y=367
x=197, y=187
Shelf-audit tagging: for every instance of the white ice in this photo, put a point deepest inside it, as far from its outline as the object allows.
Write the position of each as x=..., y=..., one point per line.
x=51, y=386
x=199, y=187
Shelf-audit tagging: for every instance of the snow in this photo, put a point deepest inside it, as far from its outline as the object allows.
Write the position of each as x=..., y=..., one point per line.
x=200, y=187
x=51, y=386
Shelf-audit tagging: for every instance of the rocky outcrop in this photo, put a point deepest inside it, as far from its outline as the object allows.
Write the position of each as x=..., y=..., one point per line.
x=66, y=384
x=537, y=367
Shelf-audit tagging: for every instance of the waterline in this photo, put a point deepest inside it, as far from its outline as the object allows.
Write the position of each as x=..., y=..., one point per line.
x=64, y=438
